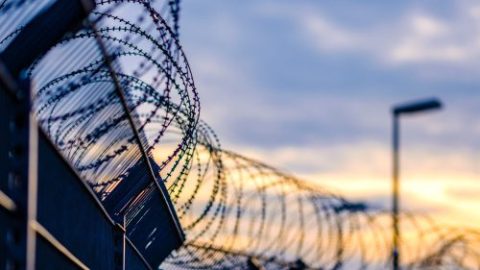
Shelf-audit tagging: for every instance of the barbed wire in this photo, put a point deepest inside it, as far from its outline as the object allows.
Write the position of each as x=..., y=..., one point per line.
x=236, y=212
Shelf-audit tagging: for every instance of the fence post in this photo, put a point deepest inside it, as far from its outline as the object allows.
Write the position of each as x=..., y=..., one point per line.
x=22, y=178
x=120, y=242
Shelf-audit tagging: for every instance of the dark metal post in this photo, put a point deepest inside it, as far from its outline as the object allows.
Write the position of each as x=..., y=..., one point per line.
x=21, y=176
x=120, y=242
x=397, y=111
x=395, y=191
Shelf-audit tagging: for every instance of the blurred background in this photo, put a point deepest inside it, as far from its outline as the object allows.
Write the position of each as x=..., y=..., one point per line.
x=307, y=86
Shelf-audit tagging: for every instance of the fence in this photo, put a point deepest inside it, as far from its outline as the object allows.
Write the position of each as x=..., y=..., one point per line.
x=50, y=217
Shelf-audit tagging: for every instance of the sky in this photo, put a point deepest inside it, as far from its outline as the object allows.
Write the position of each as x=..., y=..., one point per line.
x=307, y=86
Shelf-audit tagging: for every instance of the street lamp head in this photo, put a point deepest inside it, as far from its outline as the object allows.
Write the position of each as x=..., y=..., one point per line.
x=417, y=106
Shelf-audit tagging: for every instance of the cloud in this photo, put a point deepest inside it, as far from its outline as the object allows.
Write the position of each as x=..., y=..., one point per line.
x=462, y=193
x=259, y=88
x=317, y=29
x=326, y=35
x=429, y=39
x=308, y=88
x=311, y=159
x=415, y=36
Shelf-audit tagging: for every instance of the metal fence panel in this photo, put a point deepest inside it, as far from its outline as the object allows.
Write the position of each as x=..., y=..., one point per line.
x=48, y=257
x=132, y=259
x=68, y=210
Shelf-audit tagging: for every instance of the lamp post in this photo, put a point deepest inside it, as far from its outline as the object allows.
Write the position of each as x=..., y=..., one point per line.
x=397, y=111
